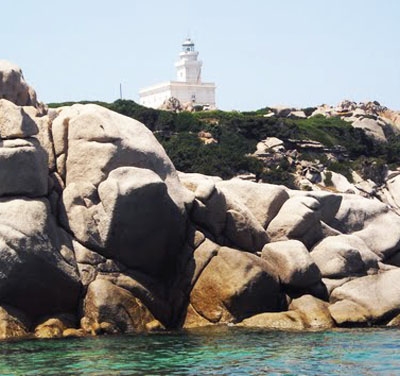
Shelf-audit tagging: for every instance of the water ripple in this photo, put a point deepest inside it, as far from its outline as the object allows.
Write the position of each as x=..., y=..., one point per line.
x=215, y=351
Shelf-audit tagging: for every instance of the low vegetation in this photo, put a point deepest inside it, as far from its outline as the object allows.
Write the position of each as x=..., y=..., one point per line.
x=237, y=133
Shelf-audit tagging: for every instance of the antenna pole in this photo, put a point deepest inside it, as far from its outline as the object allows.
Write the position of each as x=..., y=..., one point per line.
x=120, y=90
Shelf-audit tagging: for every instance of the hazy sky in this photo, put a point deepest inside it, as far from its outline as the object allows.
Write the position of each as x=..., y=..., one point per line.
x=258, y=52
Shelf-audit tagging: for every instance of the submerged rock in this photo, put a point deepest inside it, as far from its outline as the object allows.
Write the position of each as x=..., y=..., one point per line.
x=13, y=323
x=288, y=320
x=304, y=313
x=54, y=327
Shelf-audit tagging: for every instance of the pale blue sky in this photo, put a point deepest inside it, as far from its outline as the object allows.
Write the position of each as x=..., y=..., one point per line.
x=258, y=52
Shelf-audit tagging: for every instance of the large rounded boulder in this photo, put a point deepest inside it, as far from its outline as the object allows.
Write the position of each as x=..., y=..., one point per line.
x=293, y=263
x=130, y=218
x=367, y=300
x=13, y=86
x=107, y=305
x=90, y=141
x=299, y=219
x=344, y=256
x=23, y=168
x=122, y=194
x=370, y=220
x=34, y=275
x=233, y=286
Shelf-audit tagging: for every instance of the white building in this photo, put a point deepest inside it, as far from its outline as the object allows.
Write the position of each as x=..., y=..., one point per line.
x=187, y=88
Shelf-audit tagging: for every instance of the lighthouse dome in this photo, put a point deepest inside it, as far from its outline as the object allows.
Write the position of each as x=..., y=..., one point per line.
x=188, y=45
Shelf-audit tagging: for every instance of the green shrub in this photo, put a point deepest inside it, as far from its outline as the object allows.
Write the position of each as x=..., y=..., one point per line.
x=186, y=122
x=371, y=168
x=237, y=134
x=328, y=179
x=227, y=158
x=278, y=176
x=343, y=168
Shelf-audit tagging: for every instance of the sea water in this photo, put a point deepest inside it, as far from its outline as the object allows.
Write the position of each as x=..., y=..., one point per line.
x=210, y=351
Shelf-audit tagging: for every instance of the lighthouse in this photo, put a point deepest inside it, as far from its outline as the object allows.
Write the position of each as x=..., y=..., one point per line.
x=188, y=88
x=188, y=68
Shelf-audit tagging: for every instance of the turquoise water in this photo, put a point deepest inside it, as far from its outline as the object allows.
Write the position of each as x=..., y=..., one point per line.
x=221, y=351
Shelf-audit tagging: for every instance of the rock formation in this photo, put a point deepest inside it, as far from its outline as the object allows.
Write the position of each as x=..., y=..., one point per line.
x=309, y=160
x=378, y=121
x=100, y=234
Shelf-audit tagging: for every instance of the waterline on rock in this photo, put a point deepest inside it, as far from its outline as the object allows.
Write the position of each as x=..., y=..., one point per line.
x=209, y=351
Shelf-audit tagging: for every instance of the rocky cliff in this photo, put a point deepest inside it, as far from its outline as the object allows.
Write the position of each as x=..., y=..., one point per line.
x=315, y=166
x=100, y=234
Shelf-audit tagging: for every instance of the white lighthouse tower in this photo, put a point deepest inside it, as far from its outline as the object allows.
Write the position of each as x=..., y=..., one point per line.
x=188, y=87
x=188, y=68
